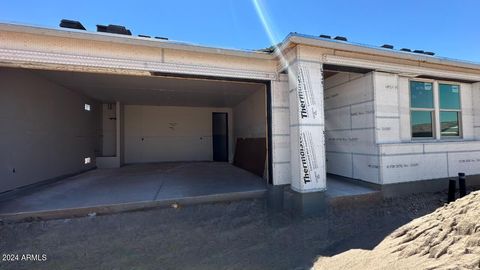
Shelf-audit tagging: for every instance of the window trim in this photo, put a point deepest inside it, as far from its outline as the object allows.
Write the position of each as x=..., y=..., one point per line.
x=436, y=122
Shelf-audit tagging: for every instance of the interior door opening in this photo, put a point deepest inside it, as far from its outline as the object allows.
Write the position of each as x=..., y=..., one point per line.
x=220, y=136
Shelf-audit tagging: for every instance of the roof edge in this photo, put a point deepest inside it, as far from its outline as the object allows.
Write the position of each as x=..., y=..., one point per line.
x=295, y=38
x=131, y=40
x=291, y=39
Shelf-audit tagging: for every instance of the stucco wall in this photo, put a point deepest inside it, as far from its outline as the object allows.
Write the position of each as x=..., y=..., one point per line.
x=170, y=133
x=45, y=131
x=349, y=126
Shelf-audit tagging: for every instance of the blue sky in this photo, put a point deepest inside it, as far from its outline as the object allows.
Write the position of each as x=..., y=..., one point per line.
x=448, y=28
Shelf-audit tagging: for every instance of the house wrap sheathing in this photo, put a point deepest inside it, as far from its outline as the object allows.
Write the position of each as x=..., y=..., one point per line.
x=332, y=106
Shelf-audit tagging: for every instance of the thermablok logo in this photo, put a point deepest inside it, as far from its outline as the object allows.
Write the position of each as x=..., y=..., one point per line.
x=301, y=93
x=303, y=158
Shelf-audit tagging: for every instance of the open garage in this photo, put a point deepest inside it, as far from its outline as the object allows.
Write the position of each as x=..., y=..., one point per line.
x=115, y=138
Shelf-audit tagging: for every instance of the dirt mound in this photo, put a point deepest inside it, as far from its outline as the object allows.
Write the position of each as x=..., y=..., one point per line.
x=448, y=238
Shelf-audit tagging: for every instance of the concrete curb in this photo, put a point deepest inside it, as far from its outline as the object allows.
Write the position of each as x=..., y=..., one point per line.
x=128, y=207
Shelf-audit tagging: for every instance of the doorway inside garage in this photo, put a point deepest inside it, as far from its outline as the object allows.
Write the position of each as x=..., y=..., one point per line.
x=140, y=137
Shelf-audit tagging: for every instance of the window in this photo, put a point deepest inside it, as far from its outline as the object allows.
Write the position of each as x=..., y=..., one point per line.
x=431, y=119
x=449, y=110
x=87, y=107
x=422, y=109
x=422, y=124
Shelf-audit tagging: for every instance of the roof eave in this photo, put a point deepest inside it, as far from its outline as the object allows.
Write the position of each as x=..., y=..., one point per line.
x=131, y=40
x=294, y=38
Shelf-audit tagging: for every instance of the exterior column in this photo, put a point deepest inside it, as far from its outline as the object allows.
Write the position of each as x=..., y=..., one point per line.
x=307, y=141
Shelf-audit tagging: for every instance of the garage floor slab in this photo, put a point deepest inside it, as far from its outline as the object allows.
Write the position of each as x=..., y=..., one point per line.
x=139, y=183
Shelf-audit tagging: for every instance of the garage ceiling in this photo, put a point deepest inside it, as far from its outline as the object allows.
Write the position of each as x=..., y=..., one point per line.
x=154, y=90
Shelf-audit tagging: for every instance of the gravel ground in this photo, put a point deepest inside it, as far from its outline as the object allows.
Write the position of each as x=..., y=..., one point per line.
x=236, y=235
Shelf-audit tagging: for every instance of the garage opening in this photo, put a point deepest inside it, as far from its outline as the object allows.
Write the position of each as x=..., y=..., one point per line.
x=146, y=137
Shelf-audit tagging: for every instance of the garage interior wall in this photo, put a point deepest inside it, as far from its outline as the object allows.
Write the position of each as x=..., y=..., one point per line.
x=109, y=130
x=170, y=133
x=45, y=130
x=351, y=150
x=250, y=119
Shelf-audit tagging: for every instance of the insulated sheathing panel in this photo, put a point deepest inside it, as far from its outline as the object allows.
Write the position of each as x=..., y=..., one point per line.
x=476, y=109
x=307, y=127
x=395, y=149
x=387, y=130
x=337, y=163
x=362, y=115
x=350, y=129
x=280, y=92
x=281, y=149
x=466, y=162
x=338, y=119
x=281, y=131
x=457, y=157
x=386, y=95
x=336, y=80
x=310, y=160
x=366, y=167
x=404, y=109
x=280, y=121
x=281, y=173
x=405, y=168
x=467, y=122
x=452, y=147
x=280, y=106
x=352, y=92
x=338, y=141
x=363, y=141
x=387, y=116
x=360, y=141
x=281, y=159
